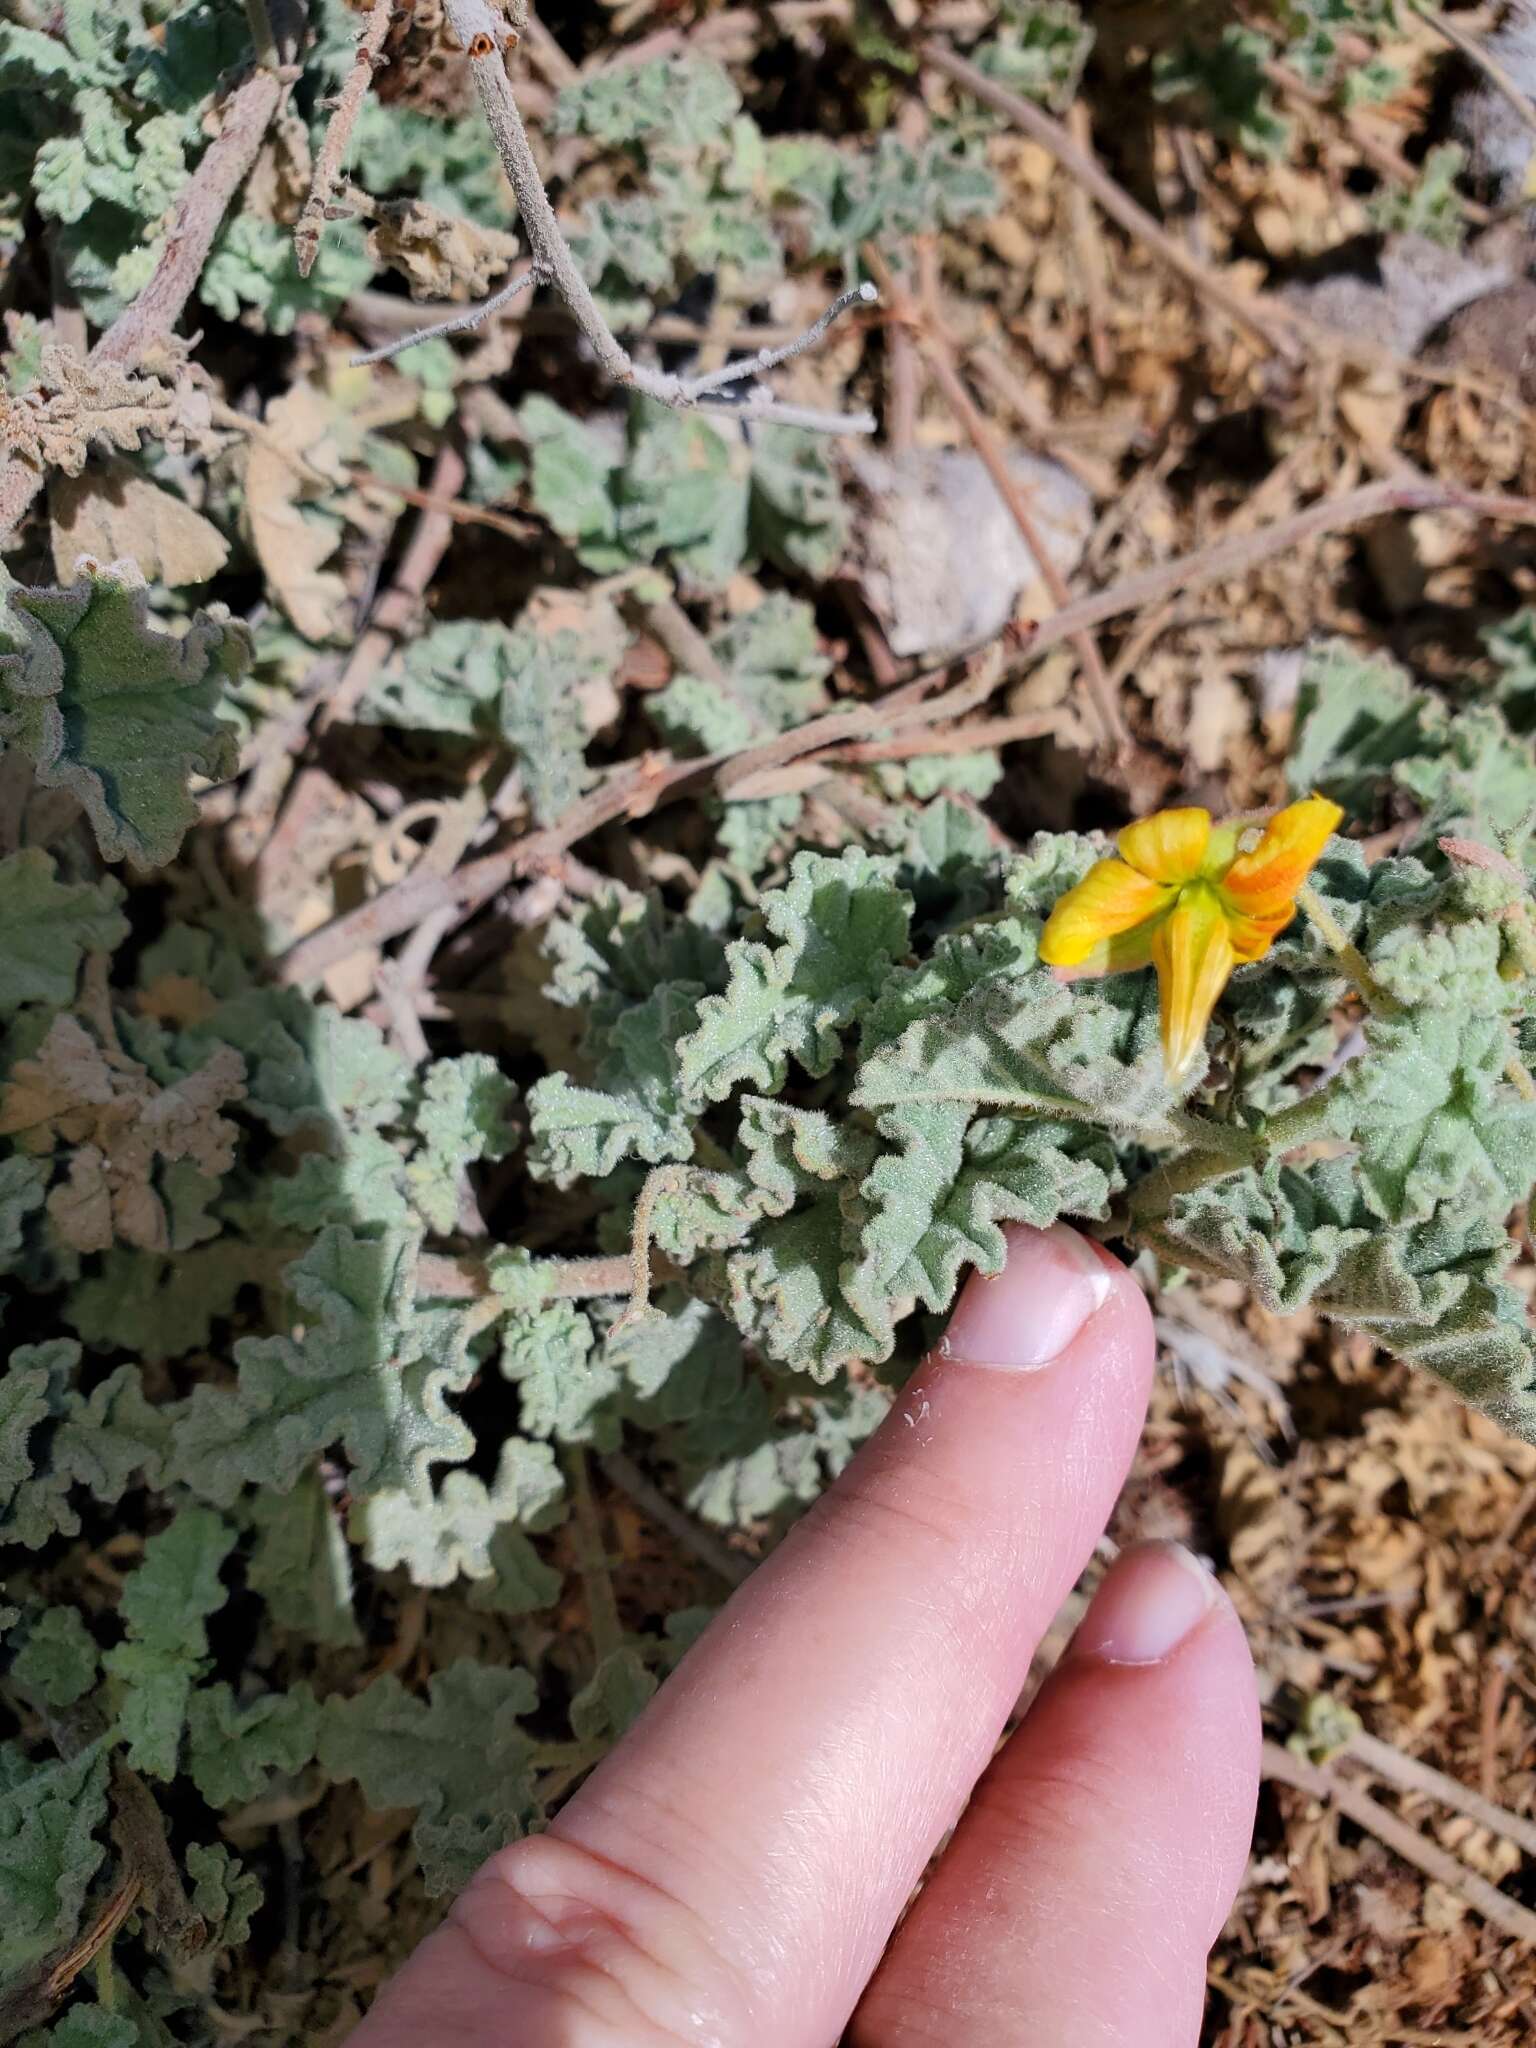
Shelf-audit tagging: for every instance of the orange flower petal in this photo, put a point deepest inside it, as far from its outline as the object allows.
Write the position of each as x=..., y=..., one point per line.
x=1264, y=882
x=1111, y=899
x=1193, y=953
x=1252, y=937
x=1169, y=846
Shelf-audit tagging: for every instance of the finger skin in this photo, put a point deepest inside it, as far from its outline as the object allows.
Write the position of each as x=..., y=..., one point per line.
x=1095, y=1865
x=731, y=1874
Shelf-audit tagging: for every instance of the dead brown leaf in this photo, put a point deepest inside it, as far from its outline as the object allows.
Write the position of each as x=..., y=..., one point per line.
x=112, y=513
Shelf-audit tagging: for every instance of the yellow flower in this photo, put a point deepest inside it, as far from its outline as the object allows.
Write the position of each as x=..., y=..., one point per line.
x=1184, y=898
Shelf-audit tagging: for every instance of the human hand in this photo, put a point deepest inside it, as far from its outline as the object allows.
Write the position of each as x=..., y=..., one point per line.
x=729, y=1877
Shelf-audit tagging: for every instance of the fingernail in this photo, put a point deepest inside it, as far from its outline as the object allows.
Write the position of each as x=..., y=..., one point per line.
x=1028, y=1314
x=1153, y=1597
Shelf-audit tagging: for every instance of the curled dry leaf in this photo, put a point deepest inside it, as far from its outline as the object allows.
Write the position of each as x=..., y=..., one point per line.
x=120, y=1124
x=441, y=256
x=112, y=513
x=295, y=463
x=74, y=404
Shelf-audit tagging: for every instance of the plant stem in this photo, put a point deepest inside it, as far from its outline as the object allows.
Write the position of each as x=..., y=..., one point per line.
x=1346, y=952
x=592, y=1558
x=659, y=1181
x=1268, y=324
x=728, y=1564
x=484, y=35
x=268, y=55
x=199, y=214
x=306, y=235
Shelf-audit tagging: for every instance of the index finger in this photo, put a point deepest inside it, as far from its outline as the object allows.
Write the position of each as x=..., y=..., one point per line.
x=732, y=1872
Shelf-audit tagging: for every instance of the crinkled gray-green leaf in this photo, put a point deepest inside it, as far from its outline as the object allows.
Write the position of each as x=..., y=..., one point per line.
x=371, y=1370
x=225, y=1895
x=787, y=1286
x=309, y=1066
x=1039, y=50
x=300, y=1564
x=566, y=1385
x=59, y=1660
x=455, y=1532
x=50, y=1814
x=1435, y=1118
x=115, y=711
x=464, y=1115
x=46, y=926
x=237, y=1750
x=683, y=102
x=54, y=1438
x=460, y=1757
x=165, y=1602
x=613, y=1698
x=638, y=1108
x=841, y=924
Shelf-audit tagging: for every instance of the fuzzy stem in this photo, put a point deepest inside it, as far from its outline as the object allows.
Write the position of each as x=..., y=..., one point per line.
x=349, y=103
x=592, y=1558
x=1348, y=955
x=483, y=34
x=459, y=322
x=659, y=1181
x=262, y=35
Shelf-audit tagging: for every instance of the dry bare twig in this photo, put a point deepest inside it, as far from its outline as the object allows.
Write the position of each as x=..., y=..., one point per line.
x=486, y=38
x=398, y=609
x=925, y=319
x=1499, y=1910
x=199, y=214
x=1265, y=323
x=333, y=150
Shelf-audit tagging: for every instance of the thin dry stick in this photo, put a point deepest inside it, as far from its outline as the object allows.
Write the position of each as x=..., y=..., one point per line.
x=1477, y=55
x=626, y=1475
x=1088, y=247
x=398, y=608
x=198, y=217
x=333, y=150
x=1377, y=151
x=687, y=646
x=460, y=322
x=484, y=35
x=267, y=52
x=459, y=510
x=938, y=353
x=1238, y=553
x=1097, y=478
x=1412, y=1775
x=1500, y=1911
x=962, y=739
x=1495, y=1686
x=548, y=55
x=1264, y=323
x=592, y=1558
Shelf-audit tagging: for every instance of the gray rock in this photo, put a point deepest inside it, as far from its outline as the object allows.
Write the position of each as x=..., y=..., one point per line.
x=1397, y=292
x=942, y=564
x=1498, y=142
